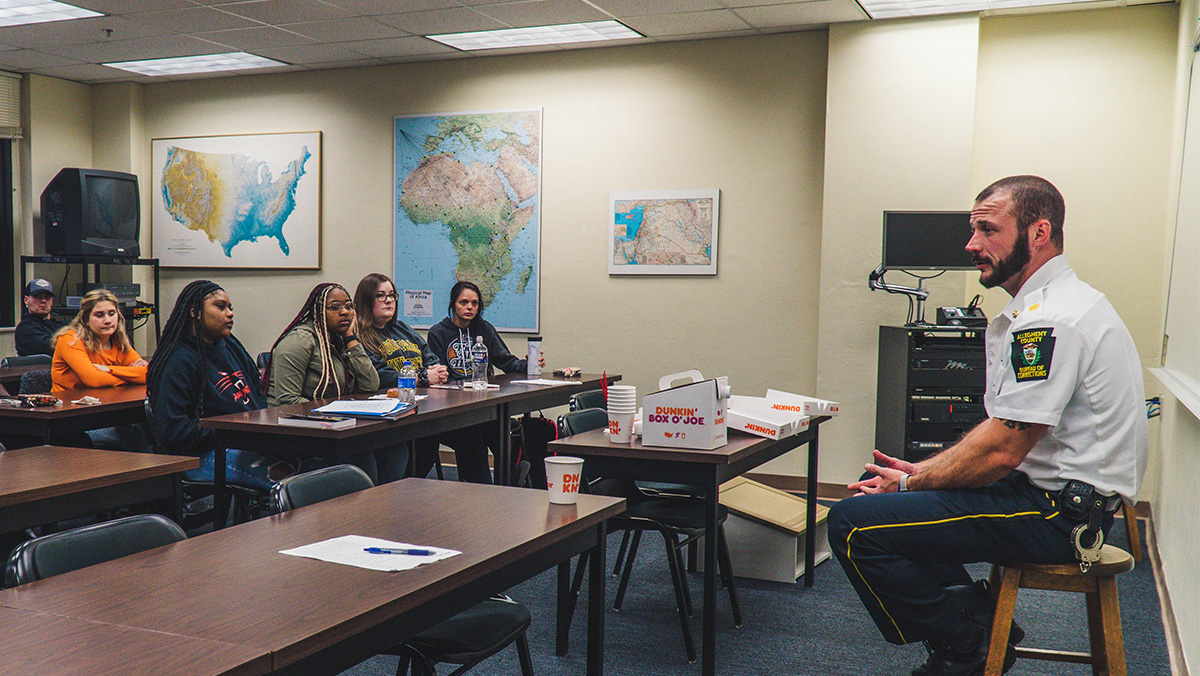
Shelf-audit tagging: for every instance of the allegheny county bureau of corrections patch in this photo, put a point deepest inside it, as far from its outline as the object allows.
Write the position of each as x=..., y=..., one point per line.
x=1032, y=351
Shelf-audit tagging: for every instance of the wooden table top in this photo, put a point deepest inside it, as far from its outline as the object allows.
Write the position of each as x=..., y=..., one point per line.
x=233, y=586
x=52, y=645
x=439, y=403
x=111, y=398
x=596, y=443
x=41, y=472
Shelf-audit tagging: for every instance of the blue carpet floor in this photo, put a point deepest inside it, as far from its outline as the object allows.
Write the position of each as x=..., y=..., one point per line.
x=798, y=631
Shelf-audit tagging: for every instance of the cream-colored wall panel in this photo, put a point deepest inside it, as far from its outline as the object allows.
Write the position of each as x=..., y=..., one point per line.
x=1085, y=99
x=898, y=136
x=744, y=115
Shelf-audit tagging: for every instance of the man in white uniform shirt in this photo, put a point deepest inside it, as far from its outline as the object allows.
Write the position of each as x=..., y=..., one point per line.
x=1066, y=418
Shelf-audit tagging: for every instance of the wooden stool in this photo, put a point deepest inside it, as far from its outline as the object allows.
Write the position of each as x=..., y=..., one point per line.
x=1131, y=529
x=1104, y=614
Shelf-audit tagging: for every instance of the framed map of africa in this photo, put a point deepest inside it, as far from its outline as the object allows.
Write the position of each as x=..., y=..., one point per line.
x=467, y=207
x=245, y=201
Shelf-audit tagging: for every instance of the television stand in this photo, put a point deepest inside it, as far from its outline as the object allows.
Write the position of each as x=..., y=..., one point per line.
x=91, y=264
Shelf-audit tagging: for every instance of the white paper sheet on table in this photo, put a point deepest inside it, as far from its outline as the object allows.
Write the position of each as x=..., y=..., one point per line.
x=348, y=550
x=544, y=381
x=380, y=397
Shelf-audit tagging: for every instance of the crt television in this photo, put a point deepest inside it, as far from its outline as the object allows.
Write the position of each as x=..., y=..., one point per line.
x=92, y=211
x=926, y=240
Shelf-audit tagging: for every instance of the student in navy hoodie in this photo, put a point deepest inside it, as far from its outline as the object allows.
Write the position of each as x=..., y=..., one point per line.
x=451, y=339
x=200, y=369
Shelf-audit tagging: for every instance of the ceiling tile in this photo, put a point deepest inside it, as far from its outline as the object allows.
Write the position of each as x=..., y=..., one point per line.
x=130, y=6
x=686, y=23
x=438, y=21
x=398, y=47
x=542, y=12
x=88, y=72
x=77, y=32
x=624, y=8
x=196, y=20
x=275, y=12
x=27, y=59
x=311, y=54
x=376, y=7
x=133, y=50
x=790, y=17
x=344, y=30
x=248, y=39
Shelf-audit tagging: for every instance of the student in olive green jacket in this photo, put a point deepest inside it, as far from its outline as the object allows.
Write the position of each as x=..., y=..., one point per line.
x=319, y=356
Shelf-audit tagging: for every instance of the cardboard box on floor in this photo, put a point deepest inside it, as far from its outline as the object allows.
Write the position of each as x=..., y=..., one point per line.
x=765, y=531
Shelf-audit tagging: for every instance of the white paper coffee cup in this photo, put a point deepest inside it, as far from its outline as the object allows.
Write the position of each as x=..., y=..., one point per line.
x=620, y=426
x=563, y=474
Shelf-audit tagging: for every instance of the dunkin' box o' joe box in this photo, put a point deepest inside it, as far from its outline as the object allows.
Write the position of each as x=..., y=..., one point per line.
x=688, y=416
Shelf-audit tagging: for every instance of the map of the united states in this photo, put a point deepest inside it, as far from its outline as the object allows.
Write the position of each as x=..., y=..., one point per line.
x=230, y=197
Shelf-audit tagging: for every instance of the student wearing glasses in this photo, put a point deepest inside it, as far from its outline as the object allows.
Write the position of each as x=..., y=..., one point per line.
x=319, y=356
x=389, y=343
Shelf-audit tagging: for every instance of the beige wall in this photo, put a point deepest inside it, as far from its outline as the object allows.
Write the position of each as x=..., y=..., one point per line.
x=897, y=136
x=743, y=115
x=1176, y=505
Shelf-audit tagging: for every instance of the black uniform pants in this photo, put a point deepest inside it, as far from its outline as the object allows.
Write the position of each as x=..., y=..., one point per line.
x=901, y=550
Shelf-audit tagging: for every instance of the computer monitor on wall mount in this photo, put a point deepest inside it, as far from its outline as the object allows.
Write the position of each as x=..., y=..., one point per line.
x=92, y=211
x=913, y=241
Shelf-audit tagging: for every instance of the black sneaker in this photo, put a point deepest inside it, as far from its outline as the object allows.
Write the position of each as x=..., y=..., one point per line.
x=962, y=653
x=976, y=600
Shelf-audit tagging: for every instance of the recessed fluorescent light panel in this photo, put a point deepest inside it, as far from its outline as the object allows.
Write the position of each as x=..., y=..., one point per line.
x=890, y=9
x=538, y=35
x=20, y=12
x=205, y=63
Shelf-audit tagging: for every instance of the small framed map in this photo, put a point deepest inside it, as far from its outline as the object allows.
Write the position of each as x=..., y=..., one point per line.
x=663, y=232
x=244, y=201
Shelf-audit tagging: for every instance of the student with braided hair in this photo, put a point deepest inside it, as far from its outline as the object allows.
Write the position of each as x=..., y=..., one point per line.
x=319, y=356
x=200, y=369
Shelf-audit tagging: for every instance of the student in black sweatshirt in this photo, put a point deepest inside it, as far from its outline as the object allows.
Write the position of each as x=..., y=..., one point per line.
x=200, y=369
x=451, y=339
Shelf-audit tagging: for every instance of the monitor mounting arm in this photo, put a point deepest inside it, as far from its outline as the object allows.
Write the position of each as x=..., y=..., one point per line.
x=875, y=281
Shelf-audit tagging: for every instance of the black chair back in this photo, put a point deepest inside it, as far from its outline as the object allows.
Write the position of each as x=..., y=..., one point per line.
x=301, y=490
x=583, y=420
x=27, y=360
x=70, y=550
x=36, y=382
x=264, y=358
x=588, y=399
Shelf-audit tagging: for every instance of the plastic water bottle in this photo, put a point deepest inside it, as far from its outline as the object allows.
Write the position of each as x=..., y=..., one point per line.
x=479, y=364
x=407, y=383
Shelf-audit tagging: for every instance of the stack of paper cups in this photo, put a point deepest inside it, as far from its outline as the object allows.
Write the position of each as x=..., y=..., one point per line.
x=622, y=405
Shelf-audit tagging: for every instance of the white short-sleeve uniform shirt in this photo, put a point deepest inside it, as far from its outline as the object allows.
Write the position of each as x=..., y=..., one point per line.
x=1060, y=356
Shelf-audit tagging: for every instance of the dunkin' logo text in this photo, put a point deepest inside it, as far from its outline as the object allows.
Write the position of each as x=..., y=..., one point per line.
x=787, y=407
x=751, y=427
x=676, y=415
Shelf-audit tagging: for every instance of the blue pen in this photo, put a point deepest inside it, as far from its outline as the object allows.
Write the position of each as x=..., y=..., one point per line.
x=410, y=552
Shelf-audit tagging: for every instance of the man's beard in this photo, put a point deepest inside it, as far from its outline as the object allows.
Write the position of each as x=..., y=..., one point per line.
x=1006, y=268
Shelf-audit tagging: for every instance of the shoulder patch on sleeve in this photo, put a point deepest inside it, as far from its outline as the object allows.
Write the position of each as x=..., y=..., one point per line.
x=1032, y=352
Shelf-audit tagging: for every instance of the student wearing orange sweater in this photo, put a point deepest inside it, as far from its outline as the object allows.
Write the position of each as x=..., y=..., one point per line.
x=93, y=350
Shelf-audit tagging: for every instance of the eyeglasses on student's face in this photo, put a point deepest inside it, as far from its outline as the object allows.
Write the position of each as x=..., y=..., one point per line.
x=384, y=297
x=339, y=306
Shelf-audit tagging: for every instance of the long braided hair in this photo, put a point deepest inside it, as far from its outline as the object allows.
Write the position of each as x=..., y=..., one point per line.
x=185, y=320
x=314, y=310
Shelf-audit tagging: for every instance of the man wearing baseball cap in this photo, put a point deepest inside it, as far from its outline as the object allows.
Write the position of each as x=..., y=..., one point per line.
x=36, y=327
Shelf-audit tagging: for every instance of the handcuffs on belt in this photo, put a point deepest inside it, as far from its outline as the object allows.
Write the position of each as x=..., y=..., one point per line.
x=1079, y=501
